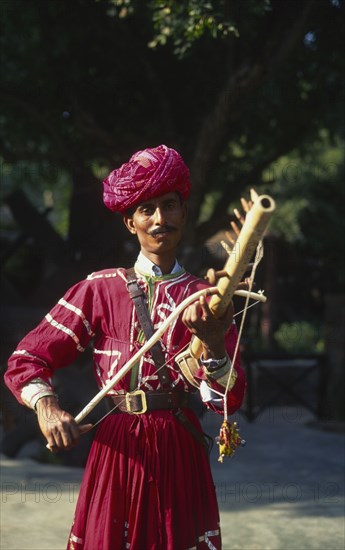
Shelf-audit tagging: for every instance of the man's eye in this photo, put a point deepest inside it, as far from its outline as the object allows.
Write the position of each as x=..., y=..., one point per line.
x=146, y=210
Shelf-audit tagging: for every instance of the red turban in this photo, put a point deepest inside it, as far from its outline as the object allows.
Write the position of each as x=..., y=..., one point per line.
x=148, y=173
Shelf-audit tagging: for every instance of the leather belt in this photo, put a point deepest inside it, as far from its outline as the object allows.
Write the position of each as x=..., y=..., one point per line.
x=138, y=402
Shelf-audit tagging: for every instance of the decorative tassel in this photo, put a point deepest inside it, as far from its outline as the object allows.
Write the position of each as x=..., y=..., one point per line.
x=228, y=440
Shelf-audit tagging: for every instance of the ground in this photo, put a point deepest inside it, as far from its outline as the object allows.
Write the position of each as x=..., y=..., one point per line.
x=283, y=491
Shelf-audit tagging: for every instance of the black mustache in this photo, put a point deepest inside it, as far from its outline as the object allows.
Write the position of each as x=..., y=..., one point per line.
x=162, y=229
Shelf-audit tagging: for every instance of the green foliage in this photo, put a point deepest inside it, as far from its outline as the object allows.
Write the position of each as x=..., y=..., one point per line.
x=310, y=194
x=184, y=23
x=286, y=221
x=82, y=90
x=299, y=337
x=299, y=180
x=210, y=201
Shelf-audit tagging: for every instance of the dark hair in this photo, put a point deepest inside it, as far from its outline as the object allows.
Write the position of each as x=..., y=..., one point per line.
x=130, y=211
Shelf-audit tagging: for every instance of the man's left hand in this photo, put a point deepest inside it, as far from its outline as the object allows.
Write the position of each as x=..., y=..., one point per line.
x=201, y=322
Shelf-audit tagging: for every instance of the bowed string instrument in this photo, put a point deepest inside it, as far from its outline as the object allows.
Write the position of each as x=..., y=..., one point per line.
x=247, y=244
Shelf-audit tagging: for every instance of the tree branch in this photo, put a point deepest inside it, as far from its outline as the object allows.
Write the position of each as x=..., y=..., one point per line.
x=237, y=87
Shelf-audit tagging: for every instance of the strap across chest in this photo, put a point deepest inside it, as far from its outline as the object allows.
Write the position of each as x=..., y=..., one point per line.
x=139, y=299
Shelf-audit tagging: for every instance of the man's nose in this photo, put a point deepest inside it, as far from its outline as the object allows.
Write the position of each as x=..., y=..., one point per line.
x=158, y=216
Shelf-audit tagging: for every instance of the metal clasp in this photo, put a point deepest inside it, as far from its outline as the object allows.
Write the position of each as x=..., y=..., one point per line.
x=143, y=402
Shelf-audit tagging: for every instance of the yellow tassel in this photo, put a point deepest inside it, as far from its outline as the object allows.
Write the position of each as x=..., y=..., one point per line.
x=228, y=440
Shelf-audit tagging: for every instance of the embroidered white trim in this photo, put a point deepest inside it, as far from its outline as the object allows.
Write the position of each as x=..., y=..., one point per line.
x=145, y=381
x=171, y=328
x=140, y=369
x=108, y=352
x=66, y=330
x=122, y=275
x=132, y=329
x=27, y=354
x=78, y=312
x=78, y=540
x=204, y=538
x=207, y=540
x=34, y=390
x=178, y=380
x=128, y=544
x=113, y=366
x=96, y=275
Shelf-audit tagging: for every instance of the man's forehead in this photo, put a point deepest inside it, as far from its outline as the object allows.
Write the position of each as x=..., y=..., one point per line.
x=160, y=198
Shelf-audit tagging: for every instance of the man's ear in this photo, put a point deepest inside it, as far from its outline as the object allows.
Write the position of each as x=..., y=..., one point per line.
x=129, y=223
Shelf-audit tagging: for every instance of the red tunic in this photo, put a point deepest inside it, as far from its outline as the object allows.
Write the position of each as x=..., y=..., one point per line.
x=147, y=484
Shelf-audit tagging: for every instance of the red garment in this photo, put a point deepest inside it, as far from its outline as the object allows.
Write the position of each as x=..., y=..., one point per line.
x=146, y=175
x=147, y=484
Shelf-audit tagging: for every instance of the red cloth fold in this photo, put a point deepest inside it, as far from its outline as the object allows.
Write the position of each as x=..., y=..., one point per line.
x=148, y=174
x=147, y=486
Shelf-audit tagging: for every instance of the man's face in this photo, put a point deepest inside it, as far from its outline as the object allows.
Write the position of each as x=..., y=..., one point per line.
x=158, y=224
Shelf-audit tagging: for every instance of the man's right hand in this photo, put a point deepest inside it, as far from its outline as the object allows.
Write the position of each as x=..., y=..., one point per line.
x=58, y=426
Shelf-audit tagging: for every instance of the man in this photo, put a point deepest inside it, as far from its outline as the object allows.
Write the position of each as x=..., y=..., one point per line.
x=147, y=484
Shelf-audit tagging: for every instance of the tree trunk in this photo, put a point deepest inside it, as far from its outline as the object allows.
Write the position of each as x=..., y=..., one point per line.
x=34, y=224
x=98, y=237
x=237, y=87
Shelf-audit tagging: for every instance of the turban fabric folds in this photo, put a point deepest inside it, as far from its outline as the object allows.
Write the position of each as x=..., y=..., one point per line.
x=147, y=174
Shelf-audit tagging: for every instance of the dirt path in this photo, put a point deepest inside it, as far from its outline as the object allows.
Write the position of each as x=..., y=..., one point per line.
x=283, y=491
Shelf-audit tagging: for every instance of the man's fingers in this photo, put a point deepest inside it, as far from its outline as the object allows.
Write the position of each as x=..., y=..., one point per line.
x=68, y=438
x=56, y=439
x=211, y=276
x=191, y=314
x=235, y=228
x=205, y=310
x=230, y=238
x=51, y=445
x=72, y=433
x=239, y=215
x=246, y=205
x=64, y=433
x=84, y=428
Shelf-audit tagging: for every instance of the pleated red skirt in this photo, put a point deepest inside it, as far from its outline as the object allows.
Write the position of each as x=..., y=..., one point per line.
x=147, y=486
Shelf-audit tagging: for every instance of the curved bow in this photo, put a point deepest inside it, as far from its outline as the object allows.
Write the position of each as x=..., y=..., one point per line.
x=154, y=338
x=251, y=232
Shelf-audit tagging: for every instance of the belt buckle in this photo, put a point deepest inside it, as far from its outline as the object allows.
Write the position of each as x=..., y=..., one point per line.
x=143, y=402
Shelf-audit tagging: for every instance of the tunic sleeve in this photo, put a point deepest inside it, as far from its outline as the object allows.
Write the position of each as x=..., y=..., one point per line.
x=56, y=342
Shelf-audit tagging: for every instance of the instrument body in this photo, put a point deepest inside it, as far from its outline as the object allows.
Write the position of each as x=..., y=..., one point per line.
x=253, y=229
